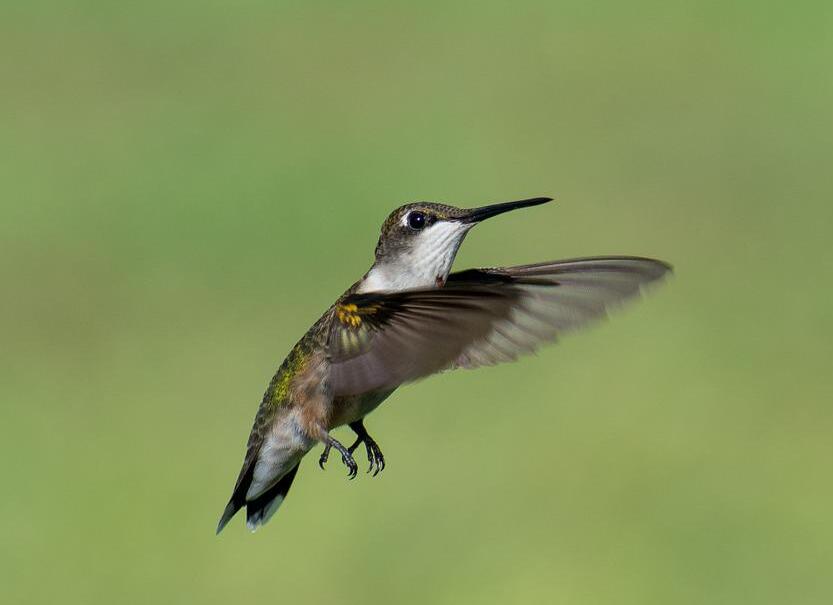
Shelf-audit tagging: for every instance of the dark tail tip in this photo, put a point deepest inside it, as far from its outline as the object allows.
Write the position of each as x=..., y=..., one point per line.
x=231, y=509
x=258, y=510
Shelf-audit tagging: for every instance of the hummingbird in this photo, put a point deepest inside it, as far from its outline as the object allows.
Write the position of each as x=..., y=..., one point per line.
x=407, y=318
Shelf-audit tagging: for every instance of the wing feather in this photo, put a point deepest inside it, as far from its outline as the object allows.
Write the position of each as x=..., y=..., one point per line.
x=481, y=317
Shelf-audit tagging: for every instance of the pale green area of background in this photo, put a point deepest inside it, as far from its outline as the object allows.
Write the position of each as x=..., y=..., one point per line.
x=187, y=185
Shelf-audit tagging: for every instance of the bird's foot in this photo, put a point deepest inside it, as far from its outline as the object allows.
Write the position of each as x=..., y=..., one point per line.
x=346, y=457
x=374, y=453
x=325, y=455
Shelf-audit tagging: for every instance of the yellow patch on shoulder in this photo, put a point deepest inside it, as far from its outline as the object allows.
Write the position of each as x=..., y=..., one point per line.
x=351, y=314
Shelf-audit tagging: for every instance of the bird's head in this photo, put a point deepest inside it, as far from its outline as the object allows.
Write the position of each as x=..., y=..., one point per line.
x=419, y=242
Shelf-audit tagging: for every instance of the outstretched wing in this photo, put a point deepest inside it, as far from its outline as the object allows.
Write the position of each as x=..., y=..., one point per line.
x=481, y=317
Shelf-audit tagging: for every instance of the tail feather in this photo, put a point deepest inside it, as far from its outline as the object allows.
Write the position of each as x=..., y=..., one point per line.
x=261, y=509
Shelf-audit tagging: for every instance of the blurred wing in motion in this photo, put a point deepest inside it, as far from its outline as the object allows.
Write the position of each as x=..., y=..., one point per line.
x=481, y=317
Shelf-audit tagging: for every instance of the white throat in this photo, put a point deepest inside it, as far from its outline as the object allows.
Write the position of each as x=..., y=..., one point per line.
x=426, y=265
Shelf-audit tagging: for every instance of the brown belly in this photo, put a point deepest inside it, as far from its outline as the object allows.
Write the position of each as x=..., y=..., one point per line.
x=350, y=409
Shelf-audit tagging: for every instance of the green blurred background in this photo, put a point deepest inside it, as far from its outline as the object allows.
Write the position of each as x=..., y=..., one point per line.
x=187, y=185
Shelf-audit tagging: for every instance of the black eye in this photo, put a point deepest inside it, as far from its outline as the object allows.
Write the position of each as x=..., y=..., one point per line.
x=416, y=221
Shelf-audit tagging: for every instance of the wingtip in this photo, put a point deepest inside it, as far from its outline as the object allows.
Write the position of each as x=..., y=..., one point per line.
x=666, y=267
x=657, y=269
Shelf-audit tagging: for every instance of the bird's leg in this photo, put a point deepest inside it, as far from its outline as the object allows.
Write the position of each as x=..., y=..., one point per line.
x=324, y=456
x=374, y=453
x=346, y=455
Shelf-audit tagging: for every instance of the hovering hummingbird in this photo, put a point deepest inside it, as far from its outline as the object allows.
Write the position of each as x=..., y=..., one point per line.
x=406, y=319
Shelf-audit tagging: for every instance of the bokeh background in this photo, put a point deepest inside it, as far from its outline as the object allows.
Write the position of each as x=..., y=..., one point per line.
x=187, y=185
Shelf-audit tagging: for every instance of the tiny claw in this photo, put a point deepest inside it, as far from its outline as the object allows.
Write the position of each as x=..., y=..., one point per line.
x=350, y=463
x=353, y=470
x=375, y=454
x=322, y=460
x=346, y=456
x=371, y=458
x=375, y=459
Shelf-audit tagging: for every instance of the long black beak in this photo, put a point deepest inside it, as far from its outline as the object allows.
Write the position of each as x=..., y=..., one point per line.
x=476, y=215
